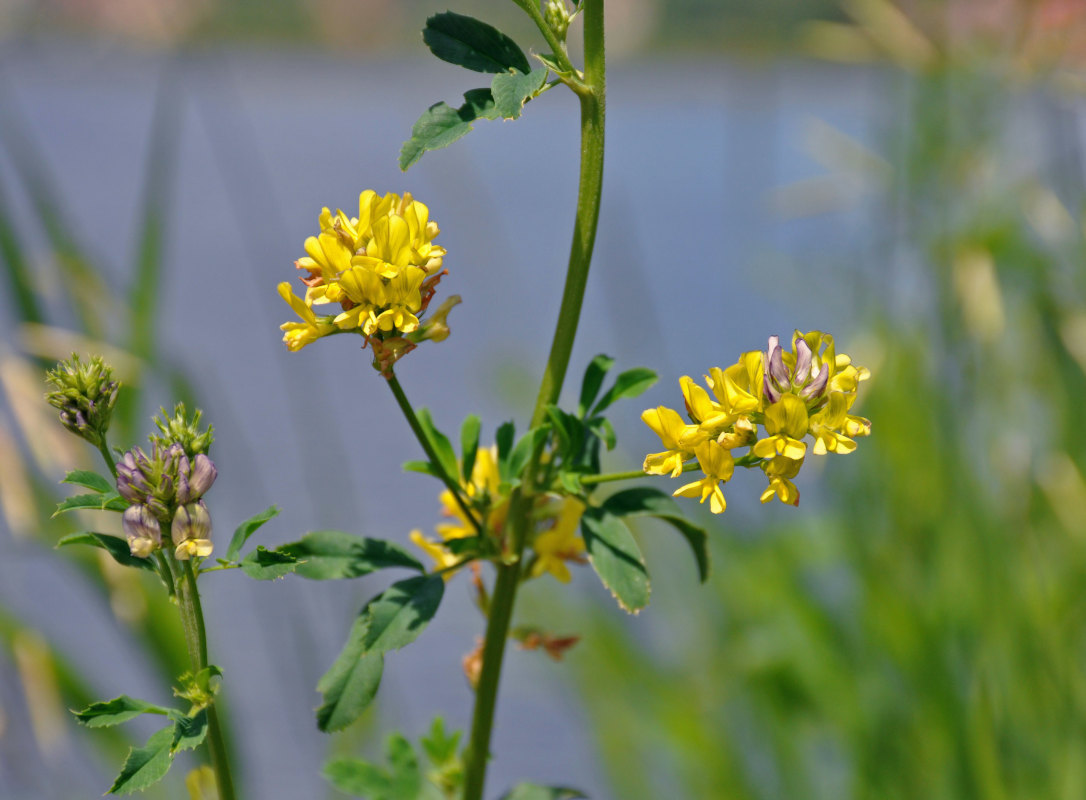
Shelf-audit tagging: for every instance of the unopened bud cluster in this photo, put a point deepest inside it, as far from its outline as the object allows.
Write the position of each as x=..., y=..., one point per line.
x=557, y=17
x=808, y=391
x=165, y=488
x=84, y=392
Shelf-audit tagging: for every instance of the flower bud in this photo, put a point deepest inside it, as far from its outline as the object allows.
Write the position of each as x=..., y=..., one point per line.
x=557, y=17
x=436, y=326
x=84, y=393
x=191, y=531
x=194, y=478
x=182, y=431
x=142, y=530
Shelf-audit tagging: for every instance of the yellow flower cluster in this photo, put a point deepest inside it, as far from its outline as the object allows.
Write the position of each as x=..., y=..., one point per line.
x=767, y=401
x=381, y=267
x=555, y=540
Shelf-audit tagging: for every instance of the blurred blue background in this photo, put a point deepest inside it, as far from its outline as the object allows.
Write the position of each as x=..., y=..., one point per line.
x=908, y=177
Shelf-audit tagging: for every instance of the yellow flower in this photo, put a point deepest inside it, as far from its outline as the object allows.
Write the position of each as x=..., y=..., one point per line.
x=786, y=421
x=716, y=462
x=483, y=488
x=559, y=544
x=191, y=548
x=382, y=267
x=298, y=334
x=779, y=469
x=669, y=426
x=442, y=556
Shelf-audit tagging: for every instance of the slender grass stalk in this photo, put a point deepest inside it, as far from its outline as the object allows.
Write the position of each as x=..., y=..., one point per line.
x=592, y=98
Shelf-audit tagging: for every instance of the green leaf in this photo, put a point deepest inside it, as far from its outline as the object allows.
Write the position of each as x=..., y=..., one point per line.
x=89, y=480
x=114, y=545
x=594, y=374
x=441, y=125
x=630, y=383
x=145, y=765
x=356, y=777
x=446, y=456
x=247, y=529
x=469, y=446
x=267, y=565
x=518, y=459
x=550, y=62
x=189, y=732
x=511, y=90
x=425, y=467
x=332, y=555
x=398, y=615
x=601, y=426
x=504, y=436
x=405, y=779
x=107, y=501
x=440, y=747
x=570, y=430
x=113, y=712
x=531, y=791
x=468, y=42
x=614, y=554
x=647, y=501
x=351, y=682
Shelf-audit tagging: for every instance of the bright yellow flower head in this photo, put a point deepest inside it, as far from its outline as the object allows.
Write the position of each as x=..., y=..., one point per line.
x=298, y=334
x=381, y=267
x=806, y=392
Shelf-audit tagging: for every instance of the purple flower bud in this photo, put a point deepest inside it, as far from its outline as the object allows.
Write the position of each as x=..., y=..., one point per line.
x=771, y=392
x=776, y=368
x=194, y=482
x=803, y=362
x=817, y=386
x=142, y=530
x=192, y=521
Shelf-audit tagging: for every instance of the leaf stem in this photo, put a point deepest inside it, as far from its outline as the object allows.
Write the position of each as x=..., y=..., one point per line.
x=412, y=420
x=592, y=97
x=531, y=8
x=607, y=477
x=192, y=620
x=103, y=448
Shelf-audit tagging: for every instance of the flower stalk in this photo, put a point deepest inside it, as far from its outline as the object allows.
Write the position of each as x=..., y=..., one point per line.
x=592, y=97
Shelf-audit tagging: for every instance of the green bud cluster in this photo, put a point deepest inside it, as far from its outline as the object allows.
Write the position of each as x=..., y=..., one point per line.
x=84, y=393
x=179, y=429
x=557, y=17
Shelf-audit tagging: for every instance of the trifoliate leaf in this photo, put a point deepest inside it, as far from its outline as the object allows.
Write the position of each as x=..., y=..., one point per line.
x=511, y=90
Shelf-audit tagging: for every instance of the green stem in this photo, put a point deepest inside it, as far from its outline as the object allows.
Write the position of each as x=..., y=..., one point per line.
x=589, y=480
x=592, y=97
x=449, y=481
x=103, y=448
x=192, y=620
x=558, y=47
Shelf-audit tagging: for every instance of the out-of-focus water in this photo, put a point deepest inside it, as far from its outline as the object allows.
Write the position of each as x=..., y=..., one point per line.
x=693, y=265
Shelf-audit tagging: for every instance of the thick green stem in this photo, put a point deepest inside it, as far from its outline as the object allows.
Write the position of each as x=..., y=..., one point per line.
x=192, y=620
x=103, y=448
x=592, y=99
x=449, y=480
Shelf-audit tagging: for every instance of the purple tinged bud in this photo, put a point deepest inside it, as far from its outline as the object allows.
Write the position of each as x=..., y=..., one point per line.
x=142, y=530
x=194, y=482
x=817, y=386
x=776, y=368
x=192, y=521
x=803, y=362
x=771, y=392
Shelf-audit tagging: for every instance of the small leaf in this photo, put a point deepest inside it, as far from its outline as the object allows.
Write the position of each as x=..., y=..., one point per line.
x=356, y=777
x=398, y=615
x=440, y=747
x=468, y=42
x=351, y=682
x=441, y=125
x=504, y=436
x=425, y=467
x=570, y=430
x=521, y=454
x=267, y=565
x=88, y=479
x=469, y=446
x=593, y=379
x=630, y=383
x=405, y=779
x=332, y=555
x=440, y=443
x=247, y=529
x=114, y=545
x=145, y=765
x=601, y=426
x=550, y=62
x=113, y=712
x=511, y=90
x=189, y=732
x=530, y=791
x=647, y=501
x=107, y=501
x=614, y=554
